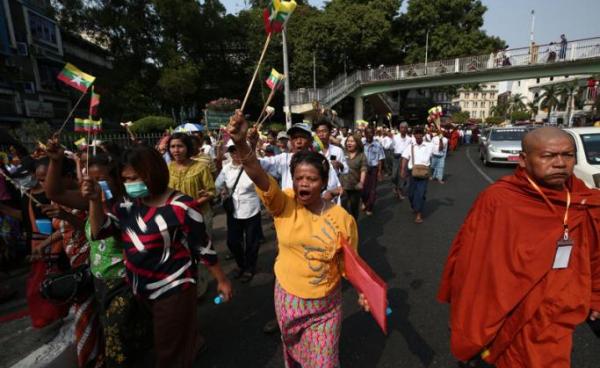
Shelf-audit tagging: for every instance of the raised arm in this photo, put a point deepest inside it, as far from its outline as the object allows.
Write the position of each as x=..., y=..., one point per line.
x=90, y=190
x=55, y=191
x=238, y=130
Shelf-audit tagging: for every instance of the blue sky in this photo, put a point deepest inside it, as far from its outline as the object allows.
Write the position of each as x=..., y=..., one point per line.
x=511, y=19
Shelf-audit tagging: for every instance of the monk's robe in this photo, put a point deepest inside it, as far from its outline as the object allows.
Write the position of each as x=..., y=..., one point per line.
x=499, y=279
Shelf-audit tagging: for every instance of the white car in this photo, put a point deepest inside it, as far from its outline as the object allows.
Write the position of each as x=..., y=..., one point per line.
x=587, y=168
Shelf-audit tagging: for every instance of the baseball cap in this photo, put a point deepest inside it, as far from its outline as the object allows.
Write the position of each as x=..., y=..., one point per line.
x=282, y=135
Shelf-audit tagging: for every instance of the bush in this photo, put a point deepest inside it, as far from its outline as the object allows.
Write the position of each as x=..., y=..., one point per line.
x=151, y=124
x=460, y=117
x=519, y=116
x=494, y=120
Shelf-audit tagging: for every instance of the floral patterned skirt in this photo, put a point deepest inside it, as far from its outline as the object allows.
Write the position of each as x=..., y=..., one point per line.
x=310, y=328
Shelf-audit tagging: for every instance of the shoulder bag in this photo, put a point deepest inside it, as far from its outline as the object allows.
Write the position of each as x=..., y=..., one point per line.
x=228, y=205
x=418, y=171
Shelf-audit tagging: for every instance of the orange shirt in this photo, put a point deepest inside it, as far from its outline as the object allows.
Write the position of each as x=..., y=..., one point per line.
x=309, y=264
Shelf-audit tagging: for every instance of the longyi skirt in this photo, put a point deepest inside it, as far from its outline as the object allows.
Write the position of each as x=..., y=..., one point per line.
x=310, y=328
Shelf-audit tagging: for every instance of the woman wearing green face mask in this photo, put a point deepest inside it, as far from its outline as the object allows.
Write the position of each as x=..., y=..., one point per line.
x=164, y=238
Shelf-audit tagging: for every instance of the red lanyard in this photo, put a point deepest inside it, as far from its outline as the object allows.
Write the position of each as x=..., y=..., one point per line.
x=566, y=217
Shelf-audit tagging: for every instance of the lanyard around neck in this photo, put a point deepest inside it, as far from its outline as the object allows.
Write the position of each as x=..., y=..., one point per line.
x=566, y=217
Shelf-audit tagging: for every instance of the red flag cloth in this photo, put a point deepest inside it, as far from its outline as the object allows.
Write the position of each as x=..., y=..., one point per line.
x=505, y=297
x=366, y=282
x=94, y=102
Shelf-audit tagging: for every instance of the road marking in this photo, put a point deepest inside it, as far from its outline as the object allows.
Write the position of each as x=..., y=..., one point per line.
x=485, y=176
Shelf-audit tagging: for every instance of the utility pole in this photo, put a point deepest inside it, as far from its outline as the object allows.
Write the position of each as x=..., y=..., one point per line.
x=426, y=49
x=315, y=72
x=286, y=82
x=532, y=27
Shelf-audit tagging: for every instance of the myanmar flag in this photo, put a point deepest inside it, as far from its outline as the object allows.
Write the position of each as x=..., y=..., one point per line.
x=88, y=125
x=277, y=14
x=76, y=78
x=81, y=125
x=94, y=102
x=275, y=79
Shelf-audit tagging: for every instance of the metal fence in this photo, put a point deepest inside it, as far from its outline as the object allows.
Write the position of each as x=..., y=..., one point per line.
x=68, y=140
x=513, y=58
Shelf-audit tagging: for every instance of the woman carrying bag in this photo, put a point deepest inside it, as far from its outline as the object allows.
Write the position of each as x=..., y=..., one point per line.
x=242, y=206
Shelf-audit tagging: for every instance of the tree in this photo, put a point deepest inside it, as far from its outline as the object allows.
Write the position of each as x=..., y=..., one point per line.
x=549, y=98
x=494, y=120
x=455, y=29
x=533, y=107
x=500, y=110
x=516, y=103
x=460, y=117
x=519, y=115
x=569, y=94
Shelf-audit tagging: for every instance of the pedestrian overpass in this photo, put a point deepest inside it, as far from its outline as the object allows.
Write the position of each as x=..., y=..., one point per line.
x=579, y=57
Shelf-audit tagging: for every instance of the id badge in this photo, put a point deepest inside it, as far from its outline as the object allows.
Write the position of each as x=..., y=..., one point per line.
x=563, y=253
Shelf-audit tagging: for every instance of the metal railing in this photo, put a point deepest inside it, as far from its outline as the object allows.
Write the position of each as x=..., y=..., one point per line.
x=120, y=139
x=343, y=85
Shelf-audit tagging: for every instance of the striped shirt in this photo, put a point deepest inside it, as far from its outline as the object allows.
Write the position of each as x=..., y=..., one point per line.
x=161, y=244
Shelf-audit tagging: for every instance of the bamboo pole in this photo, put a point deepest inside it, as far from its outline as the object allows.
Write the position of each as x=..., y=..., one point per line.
x=262, y=56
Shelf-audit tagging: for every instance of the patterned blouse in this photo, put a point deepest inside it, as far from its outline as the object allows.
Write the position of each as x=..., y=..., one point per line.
x=162, y=244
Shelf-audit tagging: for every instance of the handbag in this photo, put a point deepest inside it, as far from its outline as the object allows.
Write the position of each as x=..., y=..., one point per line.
x=228, y=201
x=418, y=171
x=69, y=286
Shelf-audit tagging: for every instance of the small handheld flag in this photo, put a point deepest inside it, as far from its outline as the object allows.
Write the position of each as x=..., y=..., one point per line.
x=88, y=126
x=277, y=14
x=275, y=79
x=94, y=102
x=75, y=78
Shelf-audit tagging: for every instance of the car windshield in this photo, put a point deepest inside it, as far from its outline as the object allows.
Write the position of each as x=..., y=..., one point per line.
x=591, y=147
x=507, y=135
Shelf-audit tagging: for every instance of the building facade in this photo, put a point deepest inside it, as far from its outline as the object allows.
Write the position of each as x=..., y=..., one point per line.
x=33, y=50
x=477, y=102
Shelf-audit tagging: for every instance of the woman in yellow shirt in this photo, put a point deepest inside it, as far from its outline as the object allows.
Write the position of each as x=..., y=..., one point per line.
x=308, y=269
x=194, y=179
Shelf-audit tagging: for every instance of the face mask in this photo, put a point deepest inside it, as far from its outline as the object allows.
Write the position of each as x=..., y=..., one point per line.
x=137, y=189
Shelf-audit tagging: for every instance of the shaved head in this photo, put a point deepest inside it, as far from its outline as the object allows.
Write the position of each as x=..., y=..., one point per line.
x=537, y=138
x=548, y=156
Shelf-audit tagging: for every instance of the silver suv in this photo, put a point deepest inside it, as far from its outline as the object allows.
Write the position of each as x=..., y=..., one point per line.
x=502, y=145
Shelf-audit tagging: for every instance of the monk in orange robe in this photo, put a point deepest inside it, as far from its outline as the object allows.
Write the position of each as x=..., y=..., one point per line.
x=515, y=299
x=454, y=138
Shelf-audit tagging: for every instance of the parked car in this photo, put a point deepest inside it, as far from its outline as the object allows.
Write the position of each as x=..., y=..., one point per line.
x=502, y=146
x=587, y=141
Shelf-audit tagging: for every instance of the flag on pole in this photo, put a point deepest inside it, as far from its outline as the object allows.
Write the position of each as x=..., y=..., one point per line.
x=76, y=78
x=80, y=143
x=88, y=126
x=277, y=14
x=275, y=79
x=94, y=102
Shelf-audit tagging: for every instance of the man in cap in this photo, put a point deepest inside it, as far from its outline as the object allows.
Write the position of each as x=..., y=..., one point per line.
x=524, y=270
x=279, y=166
x=282, y=142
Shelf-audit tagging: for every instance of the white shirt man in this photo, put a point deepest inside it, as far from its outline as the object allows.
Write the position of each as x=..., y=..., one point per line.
x=337, y=152
x=422, y=152
x=245, y=200
x=400, y=143
x=387, y=142
x=435, y=144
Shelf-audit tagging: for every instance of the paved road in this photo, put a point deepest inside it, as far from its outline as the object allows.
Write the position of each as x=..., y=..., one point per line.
x=408, y=256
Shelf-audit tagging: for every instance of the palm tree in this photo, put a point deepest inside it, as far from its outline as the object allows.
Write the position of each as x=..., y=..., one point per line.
x=568, y=93
x=499, y=109
x=549, y=98
x=516, y=103
x=533, y=108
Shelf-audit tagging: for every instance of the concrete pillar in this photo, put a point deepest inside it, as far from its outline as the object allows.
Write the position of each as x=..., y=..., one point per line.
x=358, y=108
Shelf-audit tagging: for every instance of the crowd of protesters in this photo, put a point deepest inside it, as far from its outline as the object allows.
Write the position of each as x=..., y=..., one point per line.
x=139, y=221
